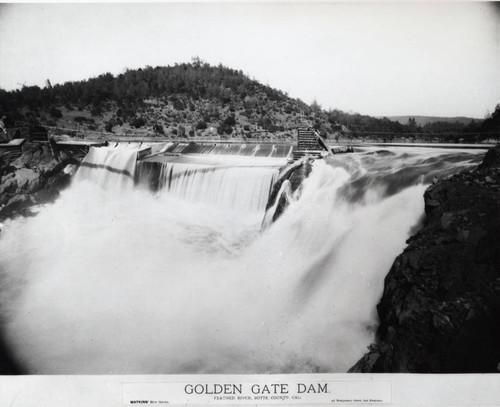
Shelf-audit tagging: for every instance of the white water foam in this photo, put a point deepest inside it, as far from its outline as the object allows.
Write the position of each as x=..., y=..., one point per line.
x=116, y=280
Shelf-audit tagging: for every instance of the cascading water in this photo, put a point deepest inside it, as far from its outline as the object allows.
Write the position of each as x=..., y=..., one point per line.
x=109, y=167
x=232, y=188
x=116, y=279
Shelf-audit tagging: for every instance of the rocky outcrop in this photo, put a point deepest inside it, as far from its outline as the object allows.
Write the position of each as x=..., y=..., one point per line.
x=440, y=309
x=289, y=181
x=36, y=177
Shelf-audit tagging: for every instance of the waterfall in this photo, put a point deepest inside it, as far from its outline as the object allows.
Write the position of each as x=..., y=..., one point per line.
x=231, y=188
x=153, y=273
x=237, y=188
x=109, y=167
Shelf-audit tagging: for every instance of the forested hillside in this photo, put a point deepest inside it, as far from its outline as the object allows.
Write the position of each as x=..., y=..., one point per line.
x=196, y=100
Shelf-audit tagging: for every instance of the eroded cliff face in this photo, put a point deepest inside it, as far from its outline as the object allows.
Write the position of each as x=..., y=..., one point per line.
x=440, y=309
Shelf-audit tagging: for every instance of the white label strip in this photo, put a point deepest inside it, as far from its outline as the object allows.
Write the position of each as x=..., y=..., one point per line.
x=272, y=392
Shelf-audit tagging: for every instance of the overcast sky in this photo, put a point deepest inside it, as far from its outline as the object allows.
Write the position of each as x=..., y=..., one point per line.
x=373, y=58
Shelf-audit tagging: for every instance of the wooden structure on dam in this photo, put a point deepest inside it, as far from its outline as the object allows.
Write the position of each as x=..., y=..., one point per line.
x=310, y=143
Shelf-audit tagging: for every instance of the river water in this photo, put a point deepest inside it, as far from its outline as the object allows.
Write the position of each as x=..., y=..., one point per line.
x=164, y=268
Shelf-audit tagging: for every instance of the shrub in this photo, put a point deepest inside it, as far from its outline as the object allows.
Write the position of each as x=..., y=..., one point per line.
x=55, y=113
x=96, y=110
x=224, y=129
x=158, y=128
x=230, y=120
x=225, y=98
x=109, y=126
x=137, y=122
x=201, y=125
x=251, y=101
x=181, y=131
x=264, y=122
x=177, y=103
x=274, y=128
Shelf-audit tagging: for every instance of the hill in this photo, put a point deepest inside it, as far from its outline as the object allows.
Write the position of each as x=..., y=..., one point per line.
x=196, y=100
x=184, y=100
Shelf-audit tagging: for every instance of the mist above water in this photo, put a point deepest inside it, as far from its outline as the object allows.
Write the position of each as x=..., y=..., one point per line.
x=115, y=278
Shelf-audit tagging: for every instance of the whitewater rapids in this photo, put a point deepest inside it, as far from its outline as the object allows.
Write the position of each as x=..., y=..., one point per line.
x=115, y=278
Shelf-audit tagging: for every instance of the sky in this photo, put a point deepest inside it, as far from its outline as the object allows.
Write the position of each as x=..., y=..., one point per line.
x=381, y=59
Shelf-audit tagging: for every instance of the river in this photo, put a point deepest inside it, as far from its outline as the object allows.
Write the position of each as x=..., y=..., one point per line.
x=164, y=268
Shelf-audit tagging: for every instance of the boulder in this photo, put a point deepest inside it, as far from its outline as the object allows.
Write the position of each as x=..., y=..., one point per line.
x=491, y=159
x=27, y=180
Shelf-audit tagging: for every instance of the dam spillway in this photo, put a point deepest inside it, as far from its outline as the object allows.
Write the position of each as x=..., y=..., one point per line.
x=207, y=174
x=137, y=268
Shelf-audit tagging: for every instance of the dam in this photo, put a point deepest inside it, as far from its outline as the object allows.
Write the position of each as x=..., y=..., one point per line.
x=154, y=259
x=206, y=172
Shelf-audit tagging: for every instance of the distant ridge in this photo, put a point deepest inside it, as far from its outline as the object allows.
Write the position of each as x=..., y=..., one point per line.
x=423, y=120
